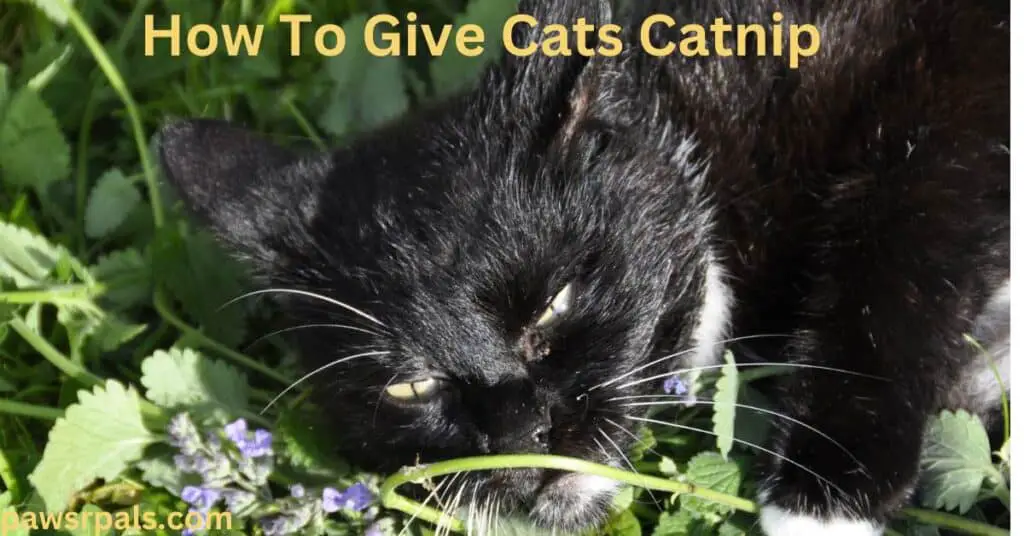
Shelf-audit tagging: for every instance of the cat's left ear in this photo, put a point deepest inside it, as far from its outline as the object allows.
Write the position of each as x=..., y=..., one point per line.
x=539, y=89
x=244, y=187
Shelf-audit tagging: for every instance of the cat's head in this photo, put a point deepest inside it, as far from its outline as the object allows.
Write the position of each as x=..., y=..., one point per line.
x=481, y=277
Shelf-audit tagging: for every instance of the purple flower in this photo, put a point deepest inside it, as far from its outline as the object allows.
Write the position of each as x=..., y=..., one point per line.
x=273, y=526
x=286, y=524
x=356, y=497
x=259, y=445
x=332, y=499
x=374, y=530
x=186, y=464
x=213, y=469
x=297, y=491
x=183, y=434
x=201, y=498
x=236, y=432
x=237, y=500
x=251, y=445
x=675, y=386
x=256, y=470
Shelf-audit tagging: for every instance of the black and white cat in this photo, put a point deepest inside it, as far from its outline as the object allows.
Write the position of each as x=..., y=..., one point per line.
x=507, y=260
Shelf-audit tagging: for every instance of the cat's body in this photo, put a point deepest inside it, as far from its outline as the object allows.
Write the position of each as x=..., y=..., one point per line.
x=518, y=253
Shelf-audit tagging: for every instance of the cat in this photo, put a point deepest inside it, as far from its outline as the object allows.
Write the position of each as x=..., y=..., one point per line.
x=501, y=267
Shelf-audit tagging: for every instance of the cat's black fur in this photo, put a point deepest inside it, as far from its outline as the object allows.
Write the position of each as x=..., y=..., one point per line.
x=858, y=205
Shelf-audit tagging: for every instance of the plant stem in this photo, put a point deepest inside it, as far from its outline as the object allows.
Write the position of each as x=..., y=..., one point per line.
x=390, y=498
x=160, y=303
x=117, y=82
x=78, y=295
x=13, y=407
x=304, y=123
x=53, y=355
x=953, y=522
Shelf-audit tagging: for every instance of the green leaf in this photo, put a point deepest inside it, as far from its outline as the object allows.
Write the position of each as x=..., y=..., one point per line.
x=110, y=202
x=726, y=394
x=126, y=276
x=199, y=274
x=453, y=70
x=87, y=525
x=710, y=470
x=25, y=258
x=367, y=90
x=623, y=524
x=304, y=448
x=680, y=523
x=98, y=437
x=667, y=466
x=53, y=9
x=645, y=442
x=730, y=529
x=33, y=150
x=112, y=333
x=4, y=87
x=753, y=426
x=185, y=380
x=955, y=461
x=6, y=386
x=161, y=473
x=19, y=529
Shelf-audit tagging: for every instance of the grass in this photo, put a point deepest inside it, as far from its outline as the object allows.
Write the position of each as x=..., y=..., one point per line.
x=111, y=317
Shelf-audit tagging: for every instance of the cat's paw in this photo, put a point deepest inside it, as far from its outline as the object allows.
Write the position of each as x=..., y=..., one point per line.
x=778, y=521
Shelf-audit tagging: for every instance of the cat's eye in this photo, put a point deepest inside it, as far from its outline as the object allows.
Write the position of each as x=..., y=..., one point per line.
x=419, y=390
x=559, y=306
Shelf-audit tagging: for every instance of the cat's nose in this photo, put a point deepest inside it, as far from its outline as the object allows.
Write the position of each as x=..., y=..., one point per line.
x=541, y=435
x=516, y=420
x=523, y=434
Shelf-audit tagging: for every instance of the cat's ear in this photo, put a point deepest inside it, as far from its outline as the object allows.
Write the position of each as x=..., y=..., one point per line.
x=244, y=187
x=542, y=86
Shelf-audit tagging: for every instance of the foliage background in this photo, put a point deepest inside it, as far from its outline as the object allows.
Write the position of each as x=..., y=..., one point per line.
x=100, y=273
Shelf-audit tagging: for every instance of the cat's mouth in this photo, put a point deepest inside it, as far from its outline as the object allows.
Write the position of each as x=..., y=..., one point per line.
x=573, y=502
x=554, y=501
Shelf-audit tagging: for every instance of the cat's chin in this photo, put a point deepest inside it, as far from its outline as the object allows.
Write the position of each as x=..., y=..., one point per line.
x=567, y=505
x=572, y=503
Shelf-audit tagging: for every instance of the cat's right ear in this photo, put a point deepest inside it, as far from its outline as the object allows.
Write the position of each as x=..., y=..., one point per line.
x=244, y=187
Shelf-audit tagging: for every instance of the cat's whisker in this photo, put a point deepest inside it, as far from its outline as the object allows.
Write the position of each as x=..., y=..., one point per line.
x=608, y=455
x=629, y=464
x=745, y=365
x=482, y=515
x=443, y=498
x=681, y=353
x=434, y=494
x=495, y=511
x=485, y=514
x=706, y=402
x=746, y=443
x=471, y=513
x=310, y=326
x=444, y=501
x=336, y=362
x=453, y=505
x=308, y=294
x=627, y=432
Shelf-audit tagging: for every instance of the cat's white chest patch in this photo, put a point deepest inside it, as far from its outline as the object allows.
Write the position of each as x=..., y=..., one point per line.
x=776, y=521
x=714, y=318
